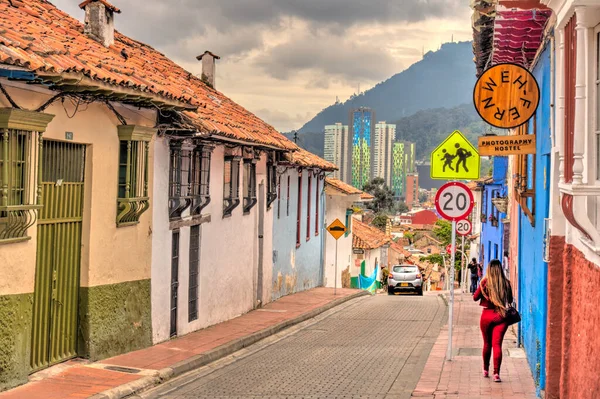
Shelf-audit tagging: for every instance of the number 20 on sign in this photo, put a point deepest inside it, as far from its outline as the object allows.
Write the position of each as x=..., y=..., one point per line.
x=454, y=201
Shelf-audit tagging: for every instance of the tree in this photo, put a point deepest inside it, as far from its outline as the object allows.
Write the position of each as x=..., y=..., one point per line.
x=443, y=231
x=435, y=259
x=380, y=221
x=384, y=197
x=423, y=197
x=410, y=236
x=401, y=207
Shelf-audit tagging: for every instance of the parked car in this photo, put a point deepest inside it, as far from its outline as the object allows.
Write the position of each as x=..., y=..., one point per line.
x=405, y=278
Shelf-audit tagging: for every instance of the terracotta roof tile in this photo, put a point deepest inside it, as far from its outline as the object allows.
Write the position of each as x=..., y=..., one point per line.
x=308, y=160
x=37, y=36
x=106, y=4
x=400, y=249
x=342, y=187
x=367, y=237
x=366, y=197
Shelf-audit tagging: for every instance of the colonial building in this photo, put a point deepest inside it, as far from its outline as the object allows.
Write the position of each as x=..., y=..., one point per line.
x=125, y=182
x=298, y=230
x=370, y=249
x=339, y=200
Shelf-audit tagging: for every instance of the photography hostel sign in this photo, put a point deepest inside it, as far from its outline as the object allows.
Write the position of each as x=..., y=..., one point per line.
x=507, y=145
x=506, y=96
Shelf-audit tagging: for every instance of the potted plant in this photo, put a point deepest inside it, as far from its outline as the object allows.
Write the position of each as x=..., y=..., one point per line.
x=493, y=220
x=483, y=218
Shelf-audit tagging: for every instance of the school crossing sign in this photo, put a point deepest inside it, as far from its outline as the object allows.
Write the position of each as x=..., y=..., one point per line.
x=455, y=159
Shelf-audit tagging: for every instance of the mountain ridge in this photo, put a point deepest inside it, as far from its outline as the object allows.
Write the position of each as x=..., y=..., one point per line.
x=442, y=79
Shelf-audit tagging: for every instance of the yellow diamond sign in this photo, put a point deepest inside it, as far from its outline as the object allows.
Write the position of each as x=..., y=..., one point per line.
x=455, y=159
x=336, y=229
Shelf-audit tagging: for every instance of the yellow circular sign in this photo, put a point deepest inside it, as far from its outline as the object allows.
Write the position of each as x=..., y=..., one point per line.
x=506, y=96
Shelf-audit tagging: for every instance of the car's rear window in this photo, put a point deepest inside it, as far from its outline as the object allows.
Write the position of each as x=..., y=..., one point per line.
x=405, y=269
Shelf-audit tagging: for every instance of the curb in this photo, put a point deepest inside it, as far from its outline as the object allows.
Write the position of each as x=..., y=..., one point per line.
x=217, y=353
x=443, y=296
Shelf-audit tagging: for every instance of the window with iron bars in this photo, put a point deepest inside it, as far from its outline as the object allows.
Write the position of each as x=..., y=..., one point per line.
x=249, y=184
x=272, y=189
x=133, y=198
x=17, y=198
x=189, y=182
x=231, y=184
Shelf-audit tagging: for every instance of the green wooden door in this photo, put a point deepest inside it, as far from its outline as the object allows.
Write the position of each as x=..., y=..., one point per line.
x=54, y=330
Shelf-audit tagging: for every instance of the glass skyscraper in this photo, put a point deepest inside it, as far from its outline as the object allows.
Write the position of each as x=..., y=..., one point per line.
x=361, y=131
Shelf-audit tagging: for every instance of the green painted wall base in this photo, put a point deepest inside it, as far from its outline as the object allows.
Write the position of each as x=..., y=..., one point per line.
x=15, y=339
x=114, y=319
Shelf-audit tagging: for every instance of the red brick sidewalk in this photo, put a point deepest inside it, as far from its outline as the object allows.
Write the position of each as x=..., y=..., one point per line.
x=76, y=379
x=462, y=377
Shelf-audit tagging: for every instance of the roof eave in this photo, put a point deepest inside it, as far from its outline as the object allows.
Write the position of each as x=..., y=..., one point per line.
x=78, y=83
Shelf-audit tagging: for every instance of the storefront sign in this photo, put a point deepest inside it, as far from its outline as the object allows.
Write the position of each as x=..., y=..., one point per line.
x=507, y=145
x=358, y=251
x=506, y=96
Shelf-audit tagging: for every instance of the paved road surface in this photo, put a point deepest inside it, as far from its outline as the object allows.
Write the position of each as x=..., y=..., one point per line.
x=374, y=347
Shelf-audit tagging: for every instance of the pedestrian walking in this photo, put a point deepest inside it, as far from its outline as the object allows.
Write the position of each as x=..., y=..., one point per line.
x=474, y=269
x=505, y=264
x=495, y=294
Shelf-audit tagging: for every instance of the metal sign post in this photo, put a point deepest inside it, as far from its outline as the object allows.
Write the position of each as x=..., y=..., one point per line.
x=335, y=284
x=451, y=312
x=336, y=229
x=454, y=201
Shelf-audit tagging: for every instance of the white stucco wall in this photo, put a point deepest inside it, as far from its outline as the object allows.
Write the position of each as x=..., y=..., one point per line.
x=336, y=206
x=228, y=254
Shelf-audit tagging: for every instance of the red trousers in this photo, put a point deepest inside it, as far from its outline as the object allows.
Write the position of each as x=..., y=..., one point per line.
x=493, y=328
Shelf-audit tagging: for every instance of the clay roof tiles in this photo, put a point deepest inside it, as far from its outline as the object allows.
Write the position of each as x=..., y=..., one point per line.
x=308, y=160
x=366, y=197
x=367, y=237
x=342, y=187
x=37, y=36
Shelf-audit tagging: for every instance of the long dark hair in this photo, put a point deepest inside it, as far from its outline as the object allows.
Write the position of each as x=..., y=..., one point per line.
x=498, y=288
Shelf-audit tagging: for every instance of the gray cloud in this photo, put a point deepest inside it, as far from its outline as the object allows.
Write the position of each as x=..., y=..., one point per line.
x=166, y=23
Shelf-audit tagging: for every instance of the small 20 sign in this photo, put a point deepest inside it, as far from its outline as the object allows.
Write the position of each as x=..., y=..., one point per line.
x=463, y=227
x=454, y=201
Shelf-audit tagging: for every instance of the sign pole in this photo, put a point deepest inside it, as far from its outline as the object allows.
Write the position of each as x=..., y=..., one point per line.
x=462, y=265
x=336, y=276
x=451, y=313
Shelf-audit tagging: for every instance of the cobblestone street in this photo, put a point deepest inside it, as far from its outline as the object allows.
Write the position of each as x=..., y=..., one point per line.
x=376, y=347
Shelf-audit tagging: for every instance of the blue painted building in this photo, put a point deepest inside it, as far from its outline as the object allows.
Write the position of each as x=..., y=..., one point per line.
x=533, y=197
x=298, y=232
x=492, y=227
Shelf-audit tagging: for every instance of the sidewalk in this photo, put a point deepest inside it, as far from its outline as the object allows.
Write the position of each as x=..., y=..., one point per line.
x=462, y=377
x=147, y=367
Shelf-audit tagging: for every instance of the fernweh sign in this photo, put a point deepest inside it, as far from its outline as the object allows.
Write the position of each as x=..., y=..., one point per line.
x=506, y=96
x=454, y=201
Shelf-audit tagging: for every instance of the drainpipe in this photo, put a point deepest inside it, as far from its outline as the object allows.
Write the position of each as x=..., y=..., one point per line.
x=322, y=233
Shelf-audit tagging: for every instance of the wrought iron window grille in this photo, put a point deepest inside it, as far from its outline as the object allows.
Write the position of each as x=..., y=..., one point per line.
x=189, y=178
x=19, y=203
x=249, y=185
x=134, y=149
x=231, y=184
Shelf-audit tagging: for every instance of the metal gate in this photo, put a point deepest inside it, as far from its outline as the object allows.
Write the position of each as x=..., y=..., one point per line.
x=54, y=330
x=174, y=281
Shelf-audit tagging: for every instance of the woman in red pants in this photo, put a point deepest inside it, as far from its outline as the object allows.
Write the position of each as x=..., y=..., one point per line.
x=495, y=294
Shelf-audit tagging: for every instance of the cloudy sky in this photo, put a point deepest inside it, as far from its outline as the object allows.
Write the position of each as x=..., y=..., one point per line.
x=285, y=60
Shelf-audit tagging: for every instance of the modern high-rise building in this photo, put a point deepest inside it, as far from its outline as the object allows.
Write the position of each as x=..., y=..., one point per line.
x=412, y=190
x=383, y=141
x=336, y=149
x=398, y=170
x=361, y=131
x=403, y=165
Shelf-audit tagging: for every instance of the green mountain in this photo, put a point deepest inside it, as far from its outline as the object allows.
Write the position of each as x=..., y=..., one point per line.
x=427, y=128
x=442, y=79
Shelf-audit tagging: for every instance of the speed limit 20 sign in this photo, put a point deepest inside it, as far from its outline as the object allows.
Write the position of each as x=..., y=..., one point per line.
x=454, y=201
x=463, y=227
